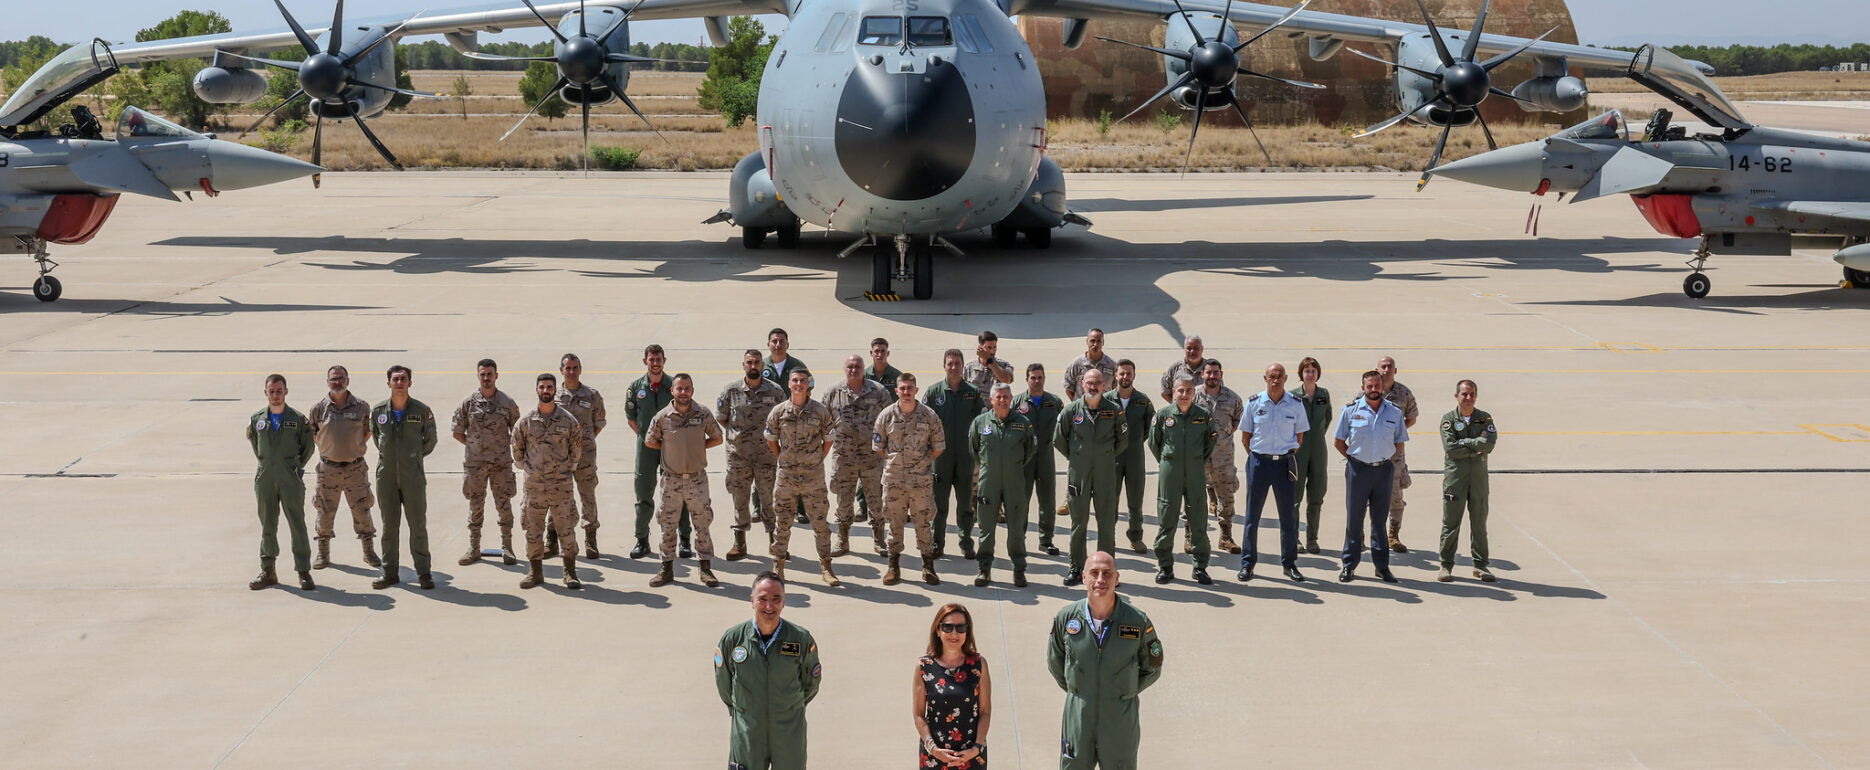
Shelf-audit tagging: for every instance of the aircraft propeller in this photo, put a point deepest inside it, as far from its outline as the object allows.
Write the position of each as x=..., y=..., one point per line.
x=326, y=75
x=1460, y=83
x=1212, y=67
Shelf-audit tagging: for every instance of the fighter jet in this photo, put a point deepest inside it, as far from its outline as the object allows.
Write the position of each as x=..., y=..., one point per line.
x=61, y=187
x=898, y=123
x=1746, y=190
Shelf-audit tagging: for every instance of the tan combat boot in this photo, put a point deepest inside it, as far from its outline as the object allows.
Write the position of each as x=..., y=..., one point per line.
x=473, y=551
x=843, y=546
x=506, y=546
x=739, y=551
x=571, y=573
x=928, y=570
x=894, y=574
x=779, y=567
x=535, y=573
x=706, y=574
x=323, y=559
x=824, y=572
x=876, y=533
x=370, y=552
x=1188, y=541
x=1227, y=538
x=266, y=578
x=590, y=545
x=1444, y=575
x=664, y=576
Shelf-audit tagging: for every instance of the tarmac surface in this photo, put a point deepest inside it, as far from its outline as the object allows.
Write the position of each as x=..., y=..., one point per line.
x=1672, y=522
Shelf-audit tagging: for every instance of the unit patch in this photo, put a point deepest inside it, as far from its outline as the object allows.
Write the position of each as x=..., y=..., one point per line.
x=740, y=654
x=1073, y=626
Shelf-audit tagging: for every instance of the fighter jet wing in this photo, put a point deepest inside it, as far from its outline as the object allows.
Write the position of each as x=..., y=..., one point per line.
x=1835, y=211
x=445, y=22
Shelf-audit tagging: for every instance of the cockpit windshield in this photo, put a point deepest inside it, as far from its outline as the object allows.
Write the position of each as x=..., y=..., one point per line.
x=880, y=30
x=1609, y=125
x=137, y=124
x=65, y=76
x=1667, y=74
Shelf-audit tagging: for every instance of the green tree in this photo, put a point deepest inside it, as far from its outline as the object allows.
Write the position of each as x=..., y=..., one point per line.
x=168, y=86
x=399, y=101
x=24, y=58
x=536, y=84
x=461, y=90
x=732, y=86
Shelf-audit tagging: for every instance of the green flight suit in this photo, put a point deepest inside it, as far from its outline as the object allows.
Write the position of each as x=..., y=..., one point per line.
x=793, y=364
x=1131, y=470
x=957, y=407
x=1465, y=444
x=1313, y=458
x=766, y=686
x=1000, y=449
x=1181, y=442
x=1042, y=472
x=1102, y=724
x=640, y=406
x=279, y=483
x=402, y=485
x=1091, y=441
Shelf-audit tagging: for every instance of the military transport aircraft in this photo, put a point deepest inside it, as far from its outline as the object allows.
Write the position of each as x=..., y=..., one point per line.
x=900, y=122
x=61, y=187
x=1747, y=190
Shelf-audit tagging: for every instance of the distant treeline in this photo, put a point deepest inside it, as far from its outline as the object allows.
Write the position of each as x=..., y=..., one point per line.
x=436, y=55
x=1733, y=60
x=33, y=48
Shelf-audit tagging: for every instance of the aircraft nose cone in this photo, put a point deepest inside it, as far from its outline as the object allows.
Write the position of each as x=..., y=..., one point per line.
x=237, y=167
x=1519, y=168
x=905, y=136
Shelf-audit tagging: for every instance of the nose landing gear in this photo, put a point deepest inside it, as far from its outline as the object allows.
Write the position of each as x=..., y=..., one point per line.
x=1697, y=284
x=46, y=288
x=903, y=258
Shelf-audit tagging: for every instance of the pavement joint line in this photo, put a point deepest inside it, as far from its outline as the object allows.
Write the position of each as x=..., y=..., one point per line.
x=295, y=687
x=1006, y=654
x=1670, y=643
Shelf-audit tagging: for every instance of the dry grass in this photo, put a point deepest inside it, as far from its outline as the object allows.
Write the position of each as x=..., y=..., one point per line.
x=1077, y=146
x=1780, y=87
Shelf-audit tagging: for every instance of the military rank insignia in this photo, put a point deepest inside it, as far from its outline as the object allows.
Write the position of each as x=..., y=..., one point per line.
x=789, y=648
x=1129, y=632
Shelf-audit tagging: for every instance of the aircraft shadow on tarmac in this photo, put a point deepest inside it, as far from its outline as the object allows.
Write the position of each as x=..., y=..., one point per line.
x=990, y=282
x=1815, y=296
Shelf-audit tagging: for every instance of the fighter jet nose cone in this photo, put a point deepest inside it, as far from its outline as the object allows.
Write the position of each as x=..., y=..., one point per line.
x=1519, y=168
x=238, y=167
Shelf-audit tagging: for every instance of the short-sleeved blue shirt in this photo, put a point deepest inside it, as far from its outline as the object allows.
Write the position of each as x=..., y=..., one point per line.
x=1275, y=425
x=1372, y=435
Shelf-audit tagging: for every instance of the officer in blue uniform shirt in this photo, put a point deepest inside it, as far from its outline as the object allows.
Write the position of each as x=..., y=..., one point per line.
x=1272, y=427
x=1370, y=432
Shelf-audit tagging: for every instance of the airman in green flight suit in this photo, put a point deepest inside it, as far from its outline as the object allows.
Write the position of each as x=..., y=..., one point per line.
x=1001, y=441
x=404, y=432
x=1104, y=652
x=282, y=441
x=767, y=671
x=1091, y=434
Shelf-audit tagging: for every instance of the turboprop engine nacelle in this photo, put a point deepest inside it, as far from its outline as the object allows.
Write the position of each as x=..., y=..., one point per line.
x=1552, y=94
x=1411, y=90
x=218, y=85
x=1177, y=37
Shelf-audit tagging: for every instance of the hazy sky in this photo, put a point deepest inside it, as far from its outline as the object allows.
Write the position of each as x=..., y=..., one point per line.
x=1604, y=22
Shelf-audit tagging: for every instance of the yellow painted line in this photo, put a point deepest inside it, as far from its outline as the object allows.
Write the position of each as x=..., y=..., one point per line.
x=1851, y=433
x=1643, y=433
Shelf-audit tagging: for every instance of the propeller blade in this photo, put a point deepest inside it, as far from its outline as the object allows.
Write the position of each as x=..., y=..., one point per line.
x=1497, y=92
x=387, y=36
x=306, y=40
x=1473, y=40
x=1264, y=76
x=582, y=31
x=1441, y=48
x=548, y=25
x=392, y=89
x=616, y=88
x=1496, y=61
x=1435, y=76
x=269, y=113
x=496, y=57
x=336, y=43
x=1275, y=25
x=585, y=105
x=1183, y=55
x=1199, y=40
x=1255, y=134
x=1393, y=121
x=318, y=141
x=1227, y=12
x=621, y=23
x=1434, y=160
x=1201, y=100
x=374, y=141
x=1186, y=79
x=550, y=93
x=1491, y=144
x=630, y=58
x=284, y=65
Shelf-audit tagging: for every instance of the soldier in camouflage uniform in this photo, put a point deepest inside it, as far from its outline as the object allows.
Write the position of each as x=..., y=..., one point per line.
x=799, y=433
x=909, y=437
x=1404, y=399
x=549, y=445
x=1225, y=408
x=647, y=396
x=484, y=423
x=1093, y=358
x=341, y=427
x=956, y=403
x=855, y=404
x=681, y=435
x=881, y=373
x=1190, y=364
x=586, y=404
x=742, y=410
x=1042, y=409
x=985, y=369
x=282, y=441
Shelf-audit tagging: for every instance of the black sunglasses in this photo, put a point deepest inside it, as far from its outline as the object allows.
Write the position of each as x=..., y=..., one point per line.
x=954, y=628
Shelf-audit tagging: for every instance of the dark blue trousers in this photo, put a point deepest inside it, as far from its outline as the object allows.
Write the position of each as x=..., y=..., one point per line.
x=1367, y=493
x=1265, y=474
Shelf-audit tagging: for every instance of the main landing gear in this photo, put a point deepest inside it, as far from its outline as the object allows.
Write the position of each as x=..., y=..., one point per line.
x=1697, y=284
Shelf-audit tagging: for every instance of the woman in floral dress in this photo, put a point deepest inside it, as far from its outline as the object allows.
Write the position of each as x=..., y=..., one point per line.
x=953, y=695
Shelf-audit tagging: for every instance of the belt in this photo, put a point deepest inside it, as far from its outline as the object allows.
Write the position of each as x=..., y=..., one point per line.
x=1280, y=456
x=1377, y=464
x=673, y=474
x=344, y=464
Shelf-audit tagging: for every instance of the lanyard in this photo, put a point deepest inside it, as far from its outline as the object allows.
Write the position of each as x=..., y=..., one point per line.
x=768, y=644
x=1095, y=631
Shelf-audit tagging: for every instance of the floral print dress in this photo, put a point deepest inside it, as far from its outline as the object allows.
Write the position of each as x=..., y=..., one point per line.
x=951, y=707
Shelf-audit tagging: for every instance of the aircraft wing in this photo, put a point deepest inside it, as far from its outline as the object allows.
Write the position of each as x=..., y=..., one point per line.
x=1841, y=212
x=453, y=22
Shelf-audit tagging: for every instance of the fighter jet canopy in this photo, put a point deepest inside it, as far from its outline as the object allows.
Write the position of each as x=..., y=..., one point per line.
x=65, y=76
x=1609, y=125
x=1682, y=83
x=137, y=124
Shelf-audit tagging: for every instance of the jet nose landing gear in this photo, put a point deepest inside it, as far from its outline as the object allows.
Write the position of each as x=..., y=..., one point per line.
x=1698, y=284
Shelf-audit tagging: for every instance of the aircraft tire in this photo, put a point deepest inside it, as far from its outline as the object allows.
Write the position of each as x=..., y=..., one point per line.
x=925, y=272
x=1697, y=285
x=47, y=288
x=1005, y=237
x=880, y=270
x=1858, y=279
x=752, y=237
x=1039, y=237
x=789, y=237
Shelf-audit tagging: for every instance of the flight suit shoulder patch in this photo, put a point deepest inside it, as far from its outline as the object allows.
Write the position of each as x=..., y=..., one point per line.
x=1073, y=626
x=717, y=658
x=1447, y=424
x=789, y=648
x=1155, y=652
